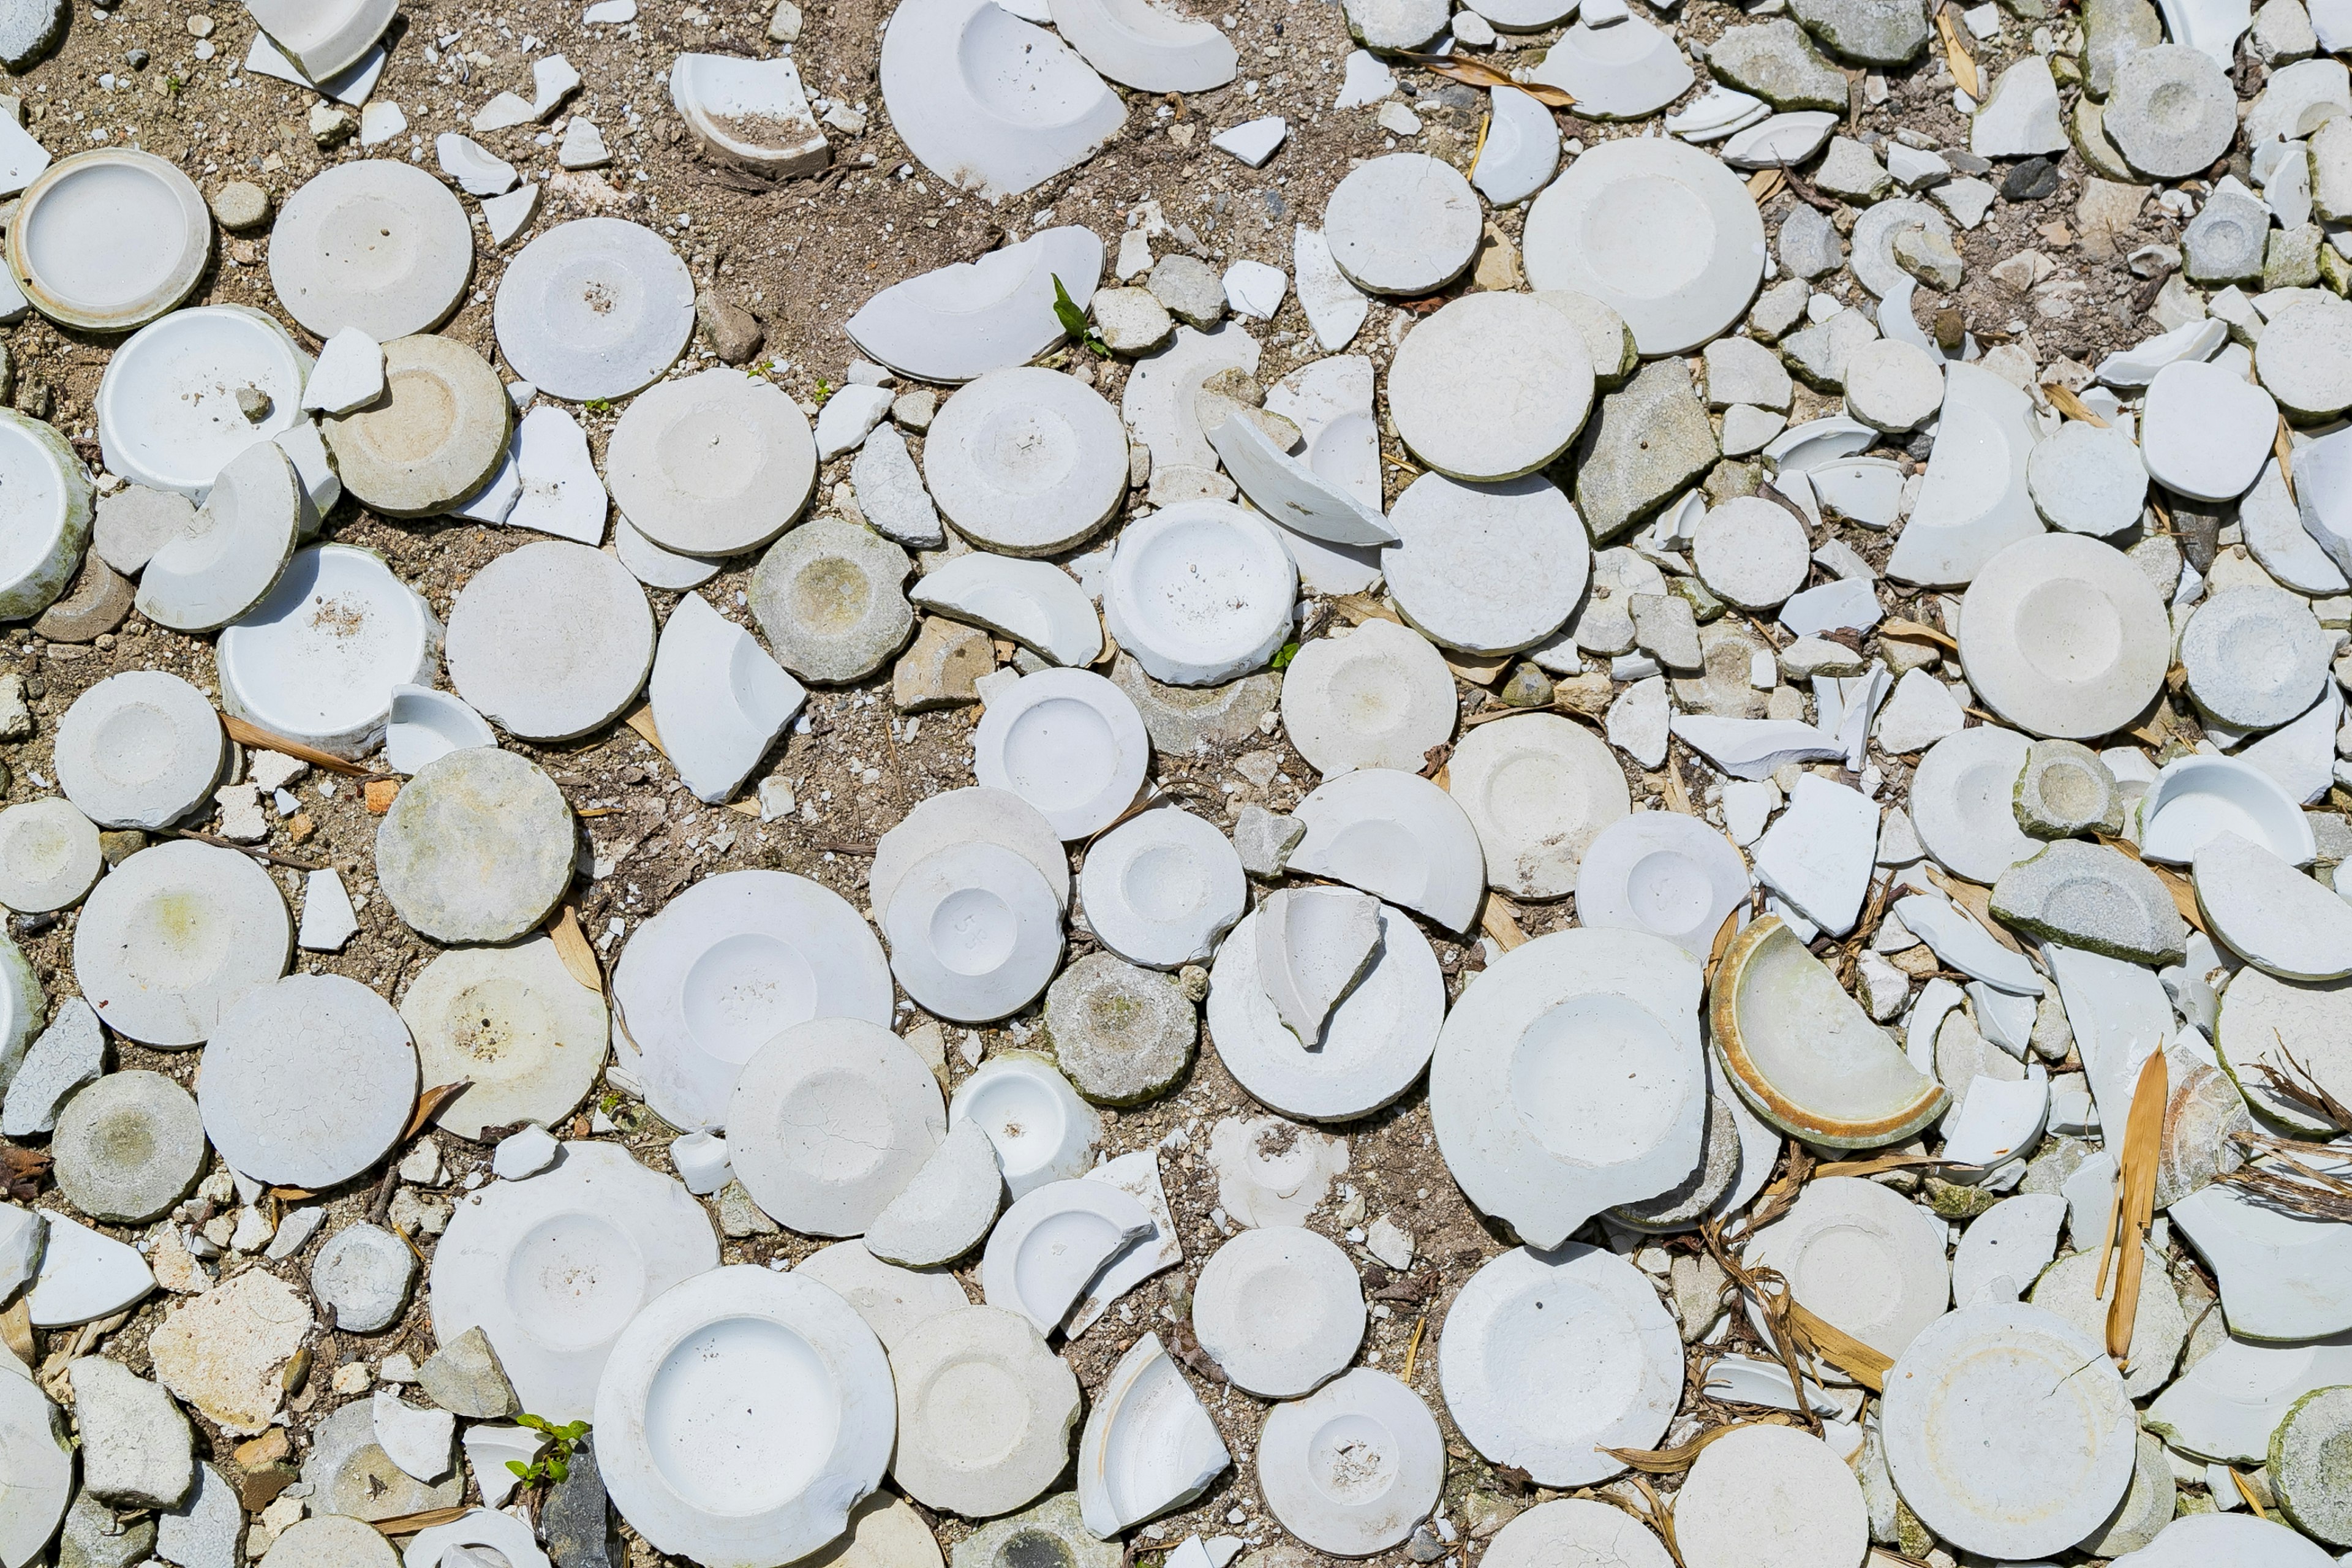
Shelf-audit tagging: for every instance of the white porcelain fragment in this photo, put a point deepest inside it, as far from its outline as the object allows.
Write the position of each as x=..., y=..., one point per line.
x=2283, y=1274
x=551, y=641
x=2206, y=432
x=1974, y=501
x=751, y=113
x=595, y=308
x=965, y=320
x=1148, y=1446
x=964, y=815
x=1027, y=462
x=1395, y=835
x=829, y=1121
x=1200, y=593
x=987, y=102
x=1280, y=1310
x=1291, y=492
x=1360, y=1495
x=109, y=240
x=1052, y=1242
x=711, y=465
x=1663, y=873
x=84, y=1276
x=237, y=549
x=318, y=659
x=2272, y=914
x=985, y=1412
x=719, y=700
x=1042, y=1130
x=423, y=725
x=1162, y=889
x=167, y=407
x=1772, y=1495
x=1490, y=386
x=1035, y=603
x=2004, y=1248
x=2193, y=800
x=1147, y=45
x=1068, y=742
x=1402, y=224
x=1538, y=789
x=1962, y=808
x=1522, y=150
x=947, y=1205
x=39, y=1460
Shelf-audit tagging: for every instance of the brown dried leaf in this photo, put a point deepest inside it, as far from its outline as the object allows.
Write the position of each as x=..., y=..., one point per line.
x=432, y=1103
x=21, y=1171
x=1892, y=1163
x=571, y=946
x=1477, y=73
x=410, y=1523
x=2143, y=1142
x=1896, y=626
x=1866, y=1366
x=1955, y=55
x=1497, y=920
x=641, y=720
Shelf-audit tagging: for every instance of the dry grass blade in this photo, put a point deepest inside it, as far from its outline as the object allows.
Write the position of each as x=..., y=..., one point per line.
x=1412, y=1350
x=2184, y=897
x=410, y=1523
x=1897, y=626
x=1670, y=1461
x=1361, y=607
x=641, y=720
x=258, y=852
x=571, y=946
x=2143, y=1142
x=1865, y=1365
x=254, y=735
x=2246, y=1490
x=1892, y=1163
x=1497, y=920
x=1677, y=794
x=2304, y=1088
x=2288, y=1194
x=1765, y=183
x=432, y=1103
x=2283, y=445
x=1955, y=55
x=2065, y=401
x=1769, y=1288
x=1476, y=73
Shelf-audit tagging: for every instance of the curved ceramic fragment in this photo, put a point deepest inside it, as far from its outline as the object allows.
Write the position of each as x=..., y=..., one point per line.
x=719, y=702
x=1162, y=889
x=1200, y=593
x=1146, y=46
x=728, y=965
x=235, y=550
x=985, y=1412
x=2284, y=1276
x=320, y=658
x=2227, y=1540
x=1313, y=945
x=1522, y=150
x=1398, y=836
x=39, y=1459
x=1622, y=71
x=1069, y=744
x=1967, y=946
x=1042, y=1130
x=2279, y=919
x=51, y=513
x=946, y=1208
x=1804, y=1055
x=1149, y=1446
x=964, y=320
x=1780, y=141
x=894, y=1301
x=741, y=1415
x=168, y=410
x=2055, y=1442
x=988, y=102
x=1052, y=1242
x=1034, y=603
x=84, y=1276
x=2195, y=799
x=2227, y=1403
x=829, y=1121
x=485, y=1527
x=1608, y=1376
x=1291, y=493
x=1351, y=1468
x=1280, y=1310
x=748, y=112
x=1974, y=502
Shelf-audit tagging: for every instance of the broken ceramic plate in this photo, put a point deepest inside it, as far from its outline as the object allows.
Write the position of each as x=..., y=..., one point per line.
x=1538, y=789
x=423, y=726
x=553, y=1270
x=2227, y=1402
x=1744, y=1380
x=1161, y=888
x=1780, y=141
x=1771, y=1494
x=1313, y=946
x=741, y=1414
x=516, y=1024
x=1137, y=1176
x=1068, y=742
x=2058, y=1436
x=749, y=112
x=1975, y=502
x=1663, y=873
x=1402, y=224
x=946, y=1208
x=1280, y=1310
x=172, y=939
x=719, y=700
x=323, y=37
x=1146, y=46
x=38, y=1457
x=1379, y=696
x=988, y=102
x=1963, y=803
x=50, y=856
x=2266, y=1021
x=1395, y=835
x=1373, y=1047
x=142, y=749
x=1616, y=71
x=2013, y=1240
x=985, y=1412
x=2270, y=914
x=974, y=931
x=551, y=641
x=728, y=965
x=1863, y=1257
x=1868, y=490
x=1521, y=153
x=966, y=816
x=1052, y=1242
x=1034, y=603
x=483, y=1530
x=478, y=846
x=656, y=566
x=1351, y=1468
x=1963, y=944
x=559, y=492
x=51, y=514
x=1608, y=1377
x=1534, y=1130
x=109, y=240
x=595, y=308
x=2195, y=799
x=1804, y=1055
x=2206, y=431
x=84, y=1276
x=1574, y=1529
x=1149, y=1446
x=1027, y=462
x=438, y=439
x=1661, y=233
x=1490, y=386
x=319, y=658
x=2284, y=1276
x=712, y=465
x=964, y=320
x=2227, y=1540
x=1487, y=569
x=1162, y=403
x=894, y=1301
x=235, y=551
x=1200, y=593
x=1042, y=1130
x=172, y=405
x=1290, y=492
x=308, y=1080
x=377, y=245
x=828, y=1120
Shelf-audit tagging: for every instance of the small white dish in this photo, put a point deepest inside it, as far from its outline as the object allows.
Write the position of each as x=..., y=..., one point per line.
x=50, y=855
x=1404, y=224
x=2064, y=636
x=173, y=939
x=974, y=933
x=1052, y=1242
x=1379, y=696
x=109, y=240
x=516, y=1024
x=1963, y=802
x=985, y=1412
x=828, y=1120
x=320, y=658
x=1200, y=593
x=142, y=749
x=1864, y=1259
x=1396, y=836
x=553, y=640
x=1351, y=1468
x=1487, y=569
x=1068, y=742
x=39, y=1459
x=977, y=815
x=1161, y=888
x=1148, y=1446
x=1661, y=872
x=2195, y=799
x=1490, y=386
x=168, y=415
x=51, y=512
x=308, y=1081
x=323, y=37
x=1541, y=790
x=1027, y=462
x=423, y=725
x=1280, y=1310
x=1042, y=1130
x=597, y=308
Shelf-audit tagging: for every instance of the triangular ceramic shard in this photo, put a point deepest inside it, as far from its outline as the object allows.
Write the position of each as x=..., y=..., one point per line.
x=1313, y=945
x=1146, y=46
x=2013, y=1240
x=751, y=112
x=1398, y=836
x=1535, y=1127
x=964, y=320
x=1974, y=501
x=719, y=702
x=426, y=725
x=1804, y=1054
x=562, y=493
x=946, y=1210
x=1819, y=853
x=1137, y=1176
x=1036, y=602
x=84, y=1276
x=1052, y=1242
x=1754, y=748
x=1522, y=150
x=988, y=102
x=2284, y=1276
x=1148, y=1446
x=2264, y=910
x=1293, y=494
x=2120, y=1016
x=1967, y=946
x=2002, y=1120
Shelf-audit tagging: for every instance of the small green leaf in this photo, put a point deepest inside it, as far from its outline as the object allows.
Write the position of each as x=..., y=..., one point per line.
x=1067, y=312
x=1282, y=660
x=557, y=1470
x=520, y=1469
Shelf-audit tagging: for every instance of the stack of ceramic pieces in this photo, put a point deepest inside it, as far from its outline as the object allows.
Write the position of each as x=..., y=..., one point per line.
x=318, y=659
x=109, y=240
x=172, y=406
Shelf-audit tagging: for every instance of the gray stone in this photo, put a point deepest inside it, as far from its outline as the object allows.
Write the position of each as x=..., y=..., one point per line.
x=1122, y=1034
x=1189, y=288
x=1265, y=839
x=1724, y=688
x=128, y=1147
x=1779, y=64
x=2172, y=113
x=135, y=522
x=363, y=1272
x=1872, y=32
x=739, y=1217
x=205, y=1531
x=1051, y=1535
x=576, y=1521
x=1698, y=1280
x=29, y=29
x=2065, y=789
x=734, y=332
x=1851, y=171
x=464, y=1377
x=829, y=595
x=1667, y=629
x=2291, y=259
x=1188, y=718
x=70, y=1052
x=1928, y=257
x=2331, y=169
x=1818, y=353
x=1525, y=686
x=350, y=1473
x=2282, y=34
x=2226, y=242
x=940, y=667
x=890, y=492
x=1647, y=445
x=94, y=1538
x=1741, y=370
x=1777, y=308
x=2089, y=896
x=915, y=410
x=1131, y=320
x=1808, y=246
x=136, y=1448
x=2113, y=31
